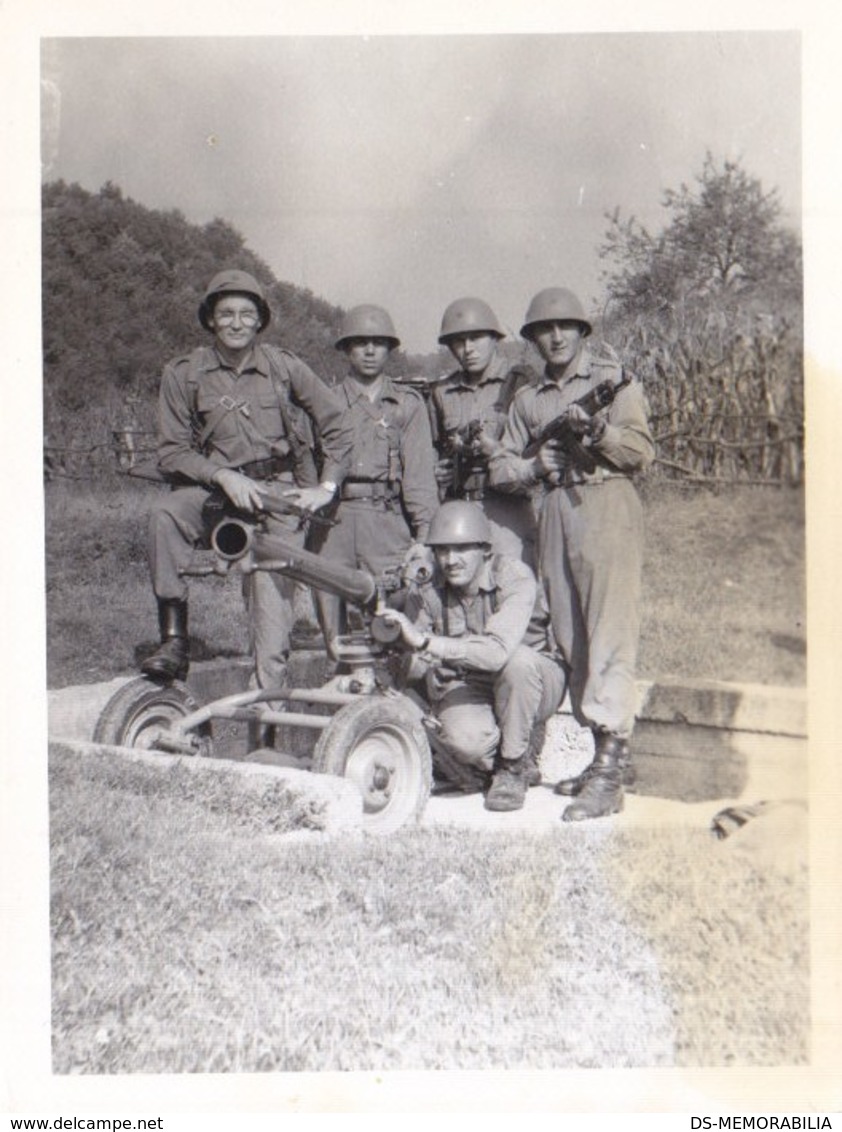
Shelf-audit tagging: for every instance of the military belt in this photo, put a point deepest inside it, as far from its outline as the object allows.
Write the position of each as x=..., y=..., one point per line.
x=577, y=479
x=372, y=491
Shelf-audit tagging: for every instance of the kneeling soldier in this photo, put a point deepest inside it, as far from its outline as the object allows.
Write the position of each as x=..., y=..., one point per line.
x=484, y=656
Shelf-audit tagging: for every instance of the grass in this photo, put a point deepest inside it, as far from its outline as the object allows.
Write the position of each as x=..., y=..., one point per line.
x=188, y=938
x=724, y=586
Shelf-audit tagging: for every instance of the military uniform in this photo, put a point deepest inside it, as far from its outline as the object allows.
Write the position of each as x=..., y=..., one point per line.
x=590, y=538
x=456, y=402
x=494, y=677
x=259, y=421
x=389, y=496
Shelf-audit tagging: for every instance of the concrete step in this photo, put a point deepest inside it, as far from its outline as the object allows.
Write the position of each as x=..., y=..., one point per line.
x=694, y=740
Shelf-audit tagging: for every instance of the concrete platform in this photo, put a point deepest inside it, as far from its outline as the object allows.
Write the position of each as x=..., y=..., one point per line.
x=698, y=745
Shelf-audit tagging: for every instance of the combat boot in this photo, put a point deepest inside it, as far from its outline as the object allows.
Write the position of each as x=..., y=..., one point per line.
x=171, y=660
x=571, y=787
x=509, y=785
x=602, y=793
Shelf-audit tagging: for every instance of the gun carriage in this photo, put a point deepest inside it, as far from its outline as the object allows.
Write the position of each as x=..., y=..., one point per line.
x=367, y=727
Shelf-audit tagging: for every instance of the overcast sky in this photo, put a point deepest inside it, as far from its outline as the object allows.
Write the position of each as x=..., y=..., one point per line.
x=411, y=170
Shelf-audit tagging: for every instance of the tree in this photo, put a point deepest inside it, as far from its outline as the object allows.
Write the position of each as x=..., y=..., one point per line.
x=724, y=242
x=708, y=313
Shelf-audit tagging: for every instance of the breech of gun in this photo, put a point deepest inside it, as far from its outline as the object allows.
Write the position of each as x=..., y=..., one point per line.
x=233, y=539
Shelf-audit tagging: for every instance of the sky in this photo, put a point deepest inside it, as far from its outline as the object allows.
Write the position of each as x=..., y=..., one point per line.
x=411, y=170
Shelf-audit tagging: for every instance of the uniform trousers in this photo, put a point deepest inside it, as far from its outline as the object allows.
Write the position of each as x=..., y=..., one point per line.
x=180, y=523
x=590, y=558
x=478, y=716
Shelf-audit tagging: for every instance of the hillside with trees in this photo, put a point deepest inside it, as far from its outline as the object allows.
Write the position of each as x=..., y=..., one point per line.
x=121, y=284
x=708, y=312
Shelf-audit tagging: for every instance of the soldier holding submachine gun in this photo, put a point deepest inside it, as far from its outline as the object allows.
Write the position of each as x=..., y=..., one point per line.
x=581, y=433
x=468, y=412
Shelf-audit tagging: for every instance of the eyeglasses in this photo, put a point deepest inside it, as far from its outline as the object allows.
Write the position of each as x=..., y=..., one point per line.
x=247, y=318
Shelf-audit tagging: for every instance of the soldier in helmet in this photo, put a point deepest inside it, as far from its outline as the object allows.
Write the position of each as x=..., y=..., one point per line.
x=590, y=538
x=235, y=415
x=478, y=640
x=389, y=496
x=468, y=412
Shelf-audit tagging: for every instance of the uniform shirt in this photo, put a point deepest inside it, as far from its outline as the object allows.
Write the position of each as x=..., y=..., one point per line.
x=392, y=443
x=626, y=445
x=457, y=401
x=484, y=627
x=192, y=387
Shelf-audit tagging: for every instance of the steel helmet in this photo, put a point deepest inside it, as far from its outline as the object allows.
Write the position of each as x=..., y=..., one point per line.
x=469, y=316
x=555, y=304
x=233, y=282
x=459, y=523
x=367, y=321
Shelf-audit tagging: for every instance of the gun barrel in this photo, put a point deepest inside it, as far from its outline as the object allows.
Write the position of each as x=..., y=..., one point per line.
x=232, y=539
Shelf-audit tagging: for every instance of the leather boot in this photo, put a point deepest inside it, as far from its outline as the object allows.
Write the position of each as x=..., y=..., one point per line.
x=171, y=661
x=509, y=785
x=571, y=787
x=602, y=794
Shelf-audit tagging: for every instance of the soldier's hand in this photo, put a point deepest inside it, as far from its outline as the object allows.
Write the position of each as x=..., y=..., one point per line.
x=444, y=472
x=410, y=636
x=591, y=428
x=242, y=491
x=550, y=458
x=488, y=440
x=579, y=420
x=310, y=498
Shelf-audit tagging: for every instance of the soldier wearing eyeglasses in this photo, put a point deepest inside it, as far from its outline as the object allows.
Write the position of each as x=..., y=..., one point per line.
x=234, y=415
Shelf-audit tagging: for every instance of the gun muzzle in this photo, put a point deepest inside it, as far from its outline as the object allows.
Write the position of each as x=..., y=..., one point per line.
x=231, y=539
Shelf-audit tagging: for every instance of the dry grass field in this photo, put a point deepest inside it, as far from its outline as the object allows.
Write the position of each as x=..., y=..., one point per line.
x=724, y=587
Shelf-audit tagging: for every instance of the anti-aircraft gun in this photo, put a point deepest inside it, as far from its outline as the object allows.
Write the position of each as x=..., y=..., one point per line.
x=369, y=729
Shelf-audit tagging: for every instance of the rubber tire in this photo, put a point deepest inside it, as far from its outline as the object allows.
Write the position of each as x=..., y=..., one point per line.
x=141, y=709
x=377, y=734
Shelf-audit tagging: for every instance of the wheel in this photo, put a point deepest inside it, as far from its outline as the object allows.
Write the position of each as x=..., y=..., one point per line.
x=380, y=744
x=142, y=710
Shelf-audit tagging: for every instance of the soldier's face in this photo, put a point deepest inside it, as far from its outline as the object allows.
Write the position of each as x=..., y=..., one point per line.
x=558, y=342
x=367, y=356
x=460, y=565
x=473, y=352
x=236, y=322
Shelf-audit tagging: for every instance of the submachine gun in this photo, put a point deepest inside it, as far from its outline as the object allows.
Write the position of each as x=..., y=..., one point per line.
x=570, y=432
